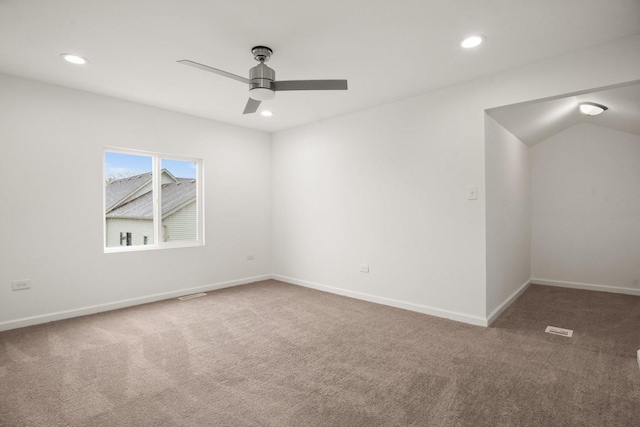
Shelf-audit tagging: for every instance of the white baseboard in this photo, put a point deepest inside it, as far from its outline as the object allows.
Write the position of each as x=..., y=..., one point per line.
x=50, y=317
x=586, y=286
x=460, y=317
x=507, y=302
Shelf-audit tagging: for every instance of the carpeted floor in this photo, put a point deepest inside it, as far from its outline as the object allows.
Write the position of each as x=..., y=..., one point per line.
x=273, y=354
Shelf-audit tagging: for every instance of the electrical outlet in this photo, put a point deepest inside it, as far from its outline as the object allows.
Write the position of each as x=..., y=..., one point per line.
x=364, y=268
x=472, y=192
x=249, y=257
x=18, y=285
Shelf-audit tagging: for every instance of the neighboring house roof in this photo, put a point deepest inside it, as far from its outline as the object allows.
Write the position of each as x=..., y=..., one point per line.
x=175, y=195
x=117, y=191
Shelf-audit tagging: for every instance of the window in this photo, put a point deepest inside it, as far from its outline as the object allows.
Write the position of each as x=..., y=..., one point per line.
x=126, y=237
x=151, y=201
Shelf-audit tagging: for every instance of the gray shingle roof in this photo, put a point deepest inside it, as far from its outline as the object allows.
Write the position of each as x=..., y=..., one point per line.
x=118, y=190
x=174, y=195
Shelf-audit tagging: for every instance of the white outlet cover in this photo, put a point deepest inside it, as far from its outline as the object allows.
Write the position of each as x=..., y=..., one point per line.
x=472, y=192
x=18, y=285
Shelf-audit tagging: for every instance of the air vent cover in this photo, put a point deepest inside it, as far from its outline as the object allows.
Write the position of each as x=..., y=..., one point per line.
x=559, y=331
x=192, y=296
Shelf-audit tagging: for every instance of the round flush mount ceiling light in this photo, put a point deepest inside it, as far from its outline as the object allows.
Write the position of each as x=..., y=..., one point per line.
x=74, y=59
x=267, y=113
x=472, y=41
x=591, y=108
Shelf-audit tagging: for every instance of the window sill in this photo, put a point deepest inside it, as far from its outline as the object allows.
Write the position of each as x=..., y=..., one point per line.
x=164, y=245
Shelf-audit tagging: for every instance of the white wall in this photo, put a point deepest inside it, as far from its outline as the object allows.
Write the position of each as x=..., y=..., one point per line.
x=586, y=209
x=387, y=187
x=508, y=183
x=51, y=223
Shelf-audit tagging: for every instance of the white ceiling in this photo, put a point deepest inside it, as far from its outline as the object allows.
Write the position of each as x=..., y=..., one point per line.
x=386, y=50
x=533, y=122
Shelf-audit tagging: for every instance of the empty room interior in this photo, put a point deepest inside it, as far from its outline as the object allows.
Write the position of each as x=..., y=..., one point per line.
x=341, y=213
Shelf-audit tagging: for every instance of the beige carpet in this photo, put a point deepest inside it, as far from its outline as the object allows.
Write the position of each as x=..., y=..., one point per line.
x=273, y=354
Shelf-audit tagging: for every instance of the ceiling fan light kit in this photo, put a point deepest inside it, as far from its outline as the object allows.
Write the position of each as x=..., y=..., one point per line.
x=262, y=80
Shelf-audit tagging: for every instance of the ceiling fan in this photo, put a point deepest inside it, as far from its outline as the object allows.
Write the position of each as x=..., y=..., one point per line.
x=262, y=80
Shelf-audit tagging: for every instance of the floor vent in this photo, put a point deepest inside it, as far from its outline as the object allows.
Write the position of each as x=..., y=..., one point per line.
x=192, y=296
x=559, y=331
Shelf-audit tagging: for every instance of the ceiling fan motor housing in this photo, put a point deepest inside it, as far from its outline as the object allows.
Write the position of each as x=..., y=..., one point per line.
x=261, y=82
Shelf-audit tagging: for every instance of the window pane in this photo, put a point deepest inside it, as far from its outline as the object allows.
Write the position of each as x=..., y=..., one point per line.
x=179, y=213
x=128, y=199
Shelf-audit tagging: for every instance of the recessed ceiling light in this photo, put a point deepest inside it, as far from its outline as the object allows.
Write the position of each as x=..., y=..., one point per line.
x=74, y=59
x=267, y=113
x=591, y=108
x=472, y=41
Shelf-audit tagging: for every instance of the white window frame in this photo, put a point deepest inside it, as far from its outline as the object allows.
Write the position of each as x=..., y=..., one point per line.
x=156, y=168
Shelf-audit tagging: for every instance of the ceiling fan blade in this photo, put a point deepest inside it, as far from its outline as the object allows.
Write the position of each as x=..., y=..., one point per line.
x=252, y=106
x=214, y=70
x=310, y=85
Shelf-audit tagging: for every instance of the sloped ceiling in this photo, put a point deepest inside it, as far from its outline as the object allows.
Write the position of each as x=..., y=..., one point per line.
x=387, y=50
x=534, y=122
